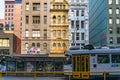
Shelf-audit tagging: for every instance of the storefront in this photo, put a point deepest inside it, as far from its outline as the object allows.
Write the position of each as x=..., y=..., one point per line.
x=32, y=63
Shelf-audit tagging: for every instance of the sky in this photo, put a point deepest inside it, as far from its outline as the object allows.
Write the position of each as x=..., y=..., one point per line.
x=1, y=9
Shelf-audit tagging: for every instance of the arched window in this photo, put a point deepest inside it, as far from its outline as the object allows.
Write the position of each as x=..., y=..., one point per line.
x=64, y=45
x=59, y=33
x=59, y=45
x=64, y=33
x=53, y=6
x=33, y=44
x=54, y=44
x=54, y=33
x=38, y=44
x=63, y=19
x=44, y=45
x=26, y=45
x=59, y=19
x=63, y=6
x=54, y=19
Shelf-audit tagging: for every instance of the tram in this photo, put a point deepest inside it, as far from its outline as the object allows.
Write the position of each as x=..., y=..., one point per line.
x=90, y=64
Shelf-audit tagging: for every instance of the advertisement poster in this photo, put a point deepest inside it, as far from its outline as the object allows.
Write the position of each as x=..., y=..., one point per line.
x=20, y=66
x=11, y=66
x=30, y=66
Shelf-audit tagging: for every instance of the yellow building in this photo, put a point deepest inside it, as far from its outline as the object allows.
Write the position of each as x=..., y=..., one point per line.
x=58, y=27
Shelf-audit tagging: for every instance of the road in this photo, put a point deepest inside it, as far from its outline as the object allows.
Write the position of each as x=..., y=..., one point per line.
x=32, y=78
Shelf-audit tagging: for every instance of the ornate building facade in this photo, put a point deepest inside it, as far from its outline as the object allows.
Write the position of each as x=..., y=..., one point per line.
x=35, y=26
x=58, y=27
x=78, y=23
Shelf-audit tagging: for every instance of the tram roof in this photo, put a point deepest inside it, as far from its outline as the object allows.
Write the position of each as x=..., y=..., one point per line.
x=93, y=51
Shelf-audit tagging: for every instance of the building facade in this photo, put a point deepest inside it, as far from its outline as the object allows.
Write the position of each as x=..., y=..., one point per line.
x=35, y=26
x=58, y=27
x=104, y=25
x=78, y=23
x=7, y=42
x=13, y=19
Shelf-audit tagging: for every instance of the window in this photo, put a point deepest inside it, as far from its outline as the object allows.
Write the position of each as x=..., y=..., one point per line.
x=45, y=19
x=59, y=33
x=82, y=24
x=77, y=25
x=45, y=33
x=58, y=0
x=77, y=36
x=27, y=20
x=36, y=19
x=64, y=33
x=35, y=33
x=72, y=24
x=64, y=19
x=63, y=7
x=54, y=44
x=44, y=45
x=117, y=11
x=26, y=33
x=54, y=19
x=38, y=44
x=73, y=35
x=4, y=42
x=82, y=36
x=117, y=1
x=26, y=45
x=111, y=40
x=77, y=13
x=33, y=44
x=118, y=40
x=110, y=10
x=109, y=1
x=45, y=6
x=82, y=12
x=110, y=30
x=27, y=6
x=64, y=45
x=54, y=33
x=59, y=19
x=36, y=6
x=103, y=59
x=116, y=58
x=118, y=30
x=117, y=21
x=72, y=12
x=110, y=20
x=59, y=45
x=77, y=44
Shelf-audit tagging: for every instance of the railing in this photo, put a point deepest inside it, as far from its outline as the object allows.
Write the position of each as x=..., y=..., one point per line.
x=59, y=73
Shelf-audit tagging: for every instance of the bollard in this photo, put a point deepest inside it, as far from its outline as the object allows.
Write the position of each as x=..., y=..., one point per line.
x=0, y=76
x=104, y=75
x=35, y=76
x=69, y=77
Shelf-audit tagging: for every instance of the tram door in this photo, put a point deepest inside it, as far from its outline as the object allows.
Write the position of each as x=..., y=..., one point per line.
x=81, y=66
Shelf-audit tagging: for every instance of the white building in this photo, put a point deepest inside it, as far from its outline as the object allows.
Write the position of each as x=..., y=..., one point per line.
x=78, y=23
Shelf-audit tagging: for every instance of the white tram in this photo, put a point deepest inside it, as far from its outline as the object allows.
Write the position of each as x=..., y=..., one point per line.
x=93, y=63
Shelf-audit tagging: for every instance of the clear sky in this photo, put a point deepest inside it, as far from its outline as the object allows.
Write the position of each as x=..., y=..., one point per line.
x=1, y=9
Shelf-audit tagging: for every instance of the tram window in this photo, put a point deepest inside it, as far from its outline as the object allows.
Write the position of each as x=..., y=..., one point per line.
x=103, y=59
x=115, y=58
